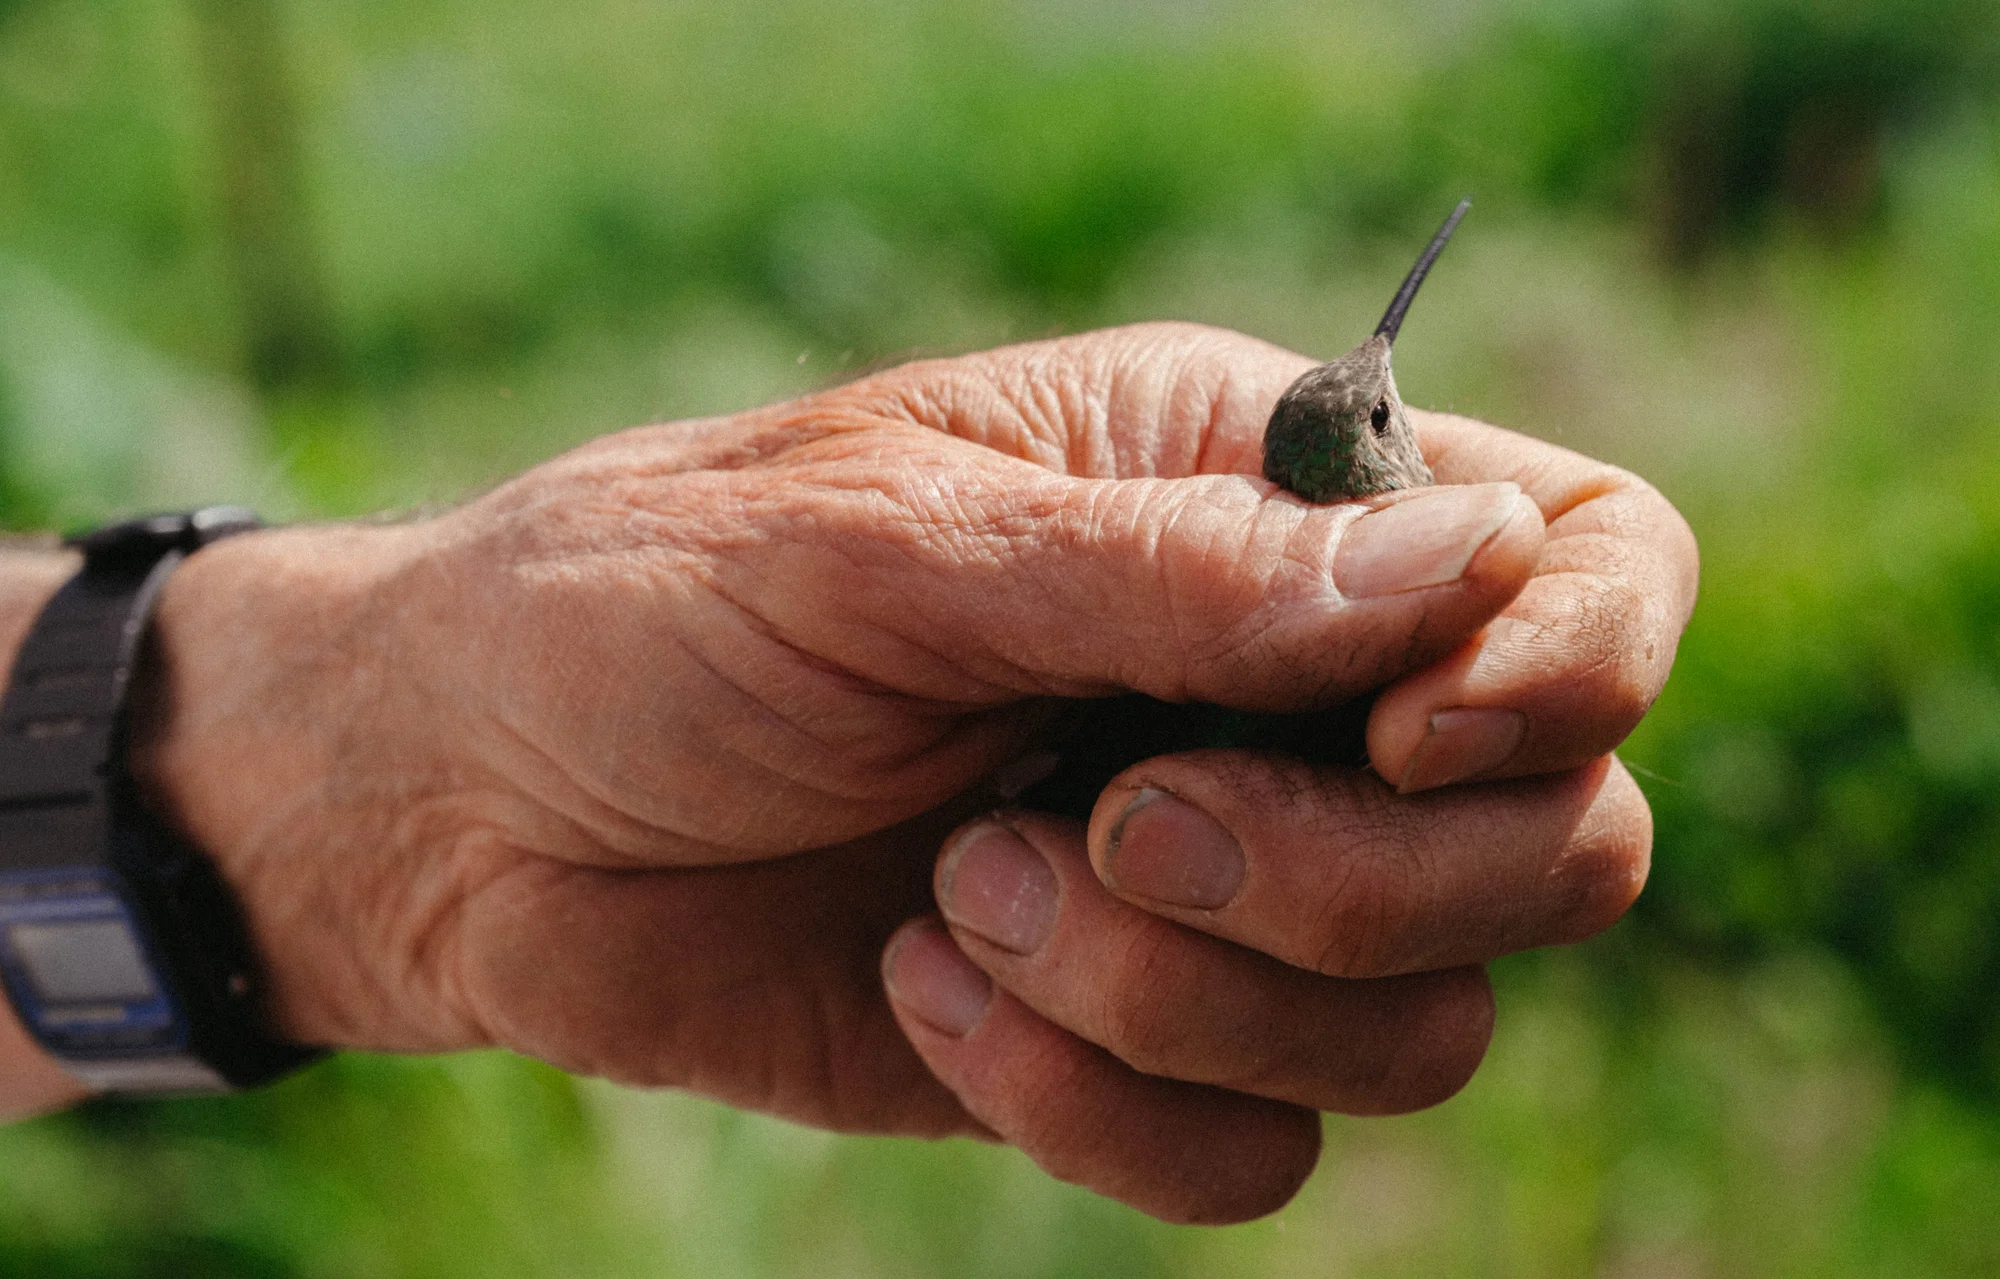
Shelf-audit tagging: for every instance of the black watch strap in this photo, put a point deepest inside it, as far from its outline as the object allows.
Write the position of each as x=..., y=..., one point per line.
x=120, y=946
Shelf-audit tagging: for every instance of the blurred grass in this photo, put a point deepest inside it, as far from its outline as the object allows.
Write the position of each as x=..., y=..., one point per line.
x=1751, y=250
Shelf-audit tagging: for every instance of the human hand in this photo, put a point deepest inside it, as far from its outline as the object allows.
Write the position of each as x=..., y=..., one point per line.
x=636, y=762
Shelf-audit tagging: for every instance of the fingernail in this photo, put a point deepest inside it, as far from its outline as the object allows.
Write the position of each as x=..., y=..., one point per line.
x=1426, y=541
x=996, y=885
x=1463, y=743
x=1167, y=849
x=930, y=976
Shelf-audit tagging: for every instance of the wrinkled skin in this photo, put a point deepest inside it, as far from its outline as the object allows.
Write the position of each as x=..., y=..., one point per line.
x=639, y=762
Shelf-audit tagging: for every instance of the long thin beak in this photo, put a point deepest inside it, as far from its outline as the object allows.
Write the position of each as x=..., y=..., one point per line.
x=1392, y=320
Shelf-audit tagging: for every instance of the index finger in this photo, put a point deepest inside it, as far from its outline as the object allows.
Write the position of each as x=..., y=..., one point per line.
x=1570, y=666
x=1072, y=518
x=1326, y=869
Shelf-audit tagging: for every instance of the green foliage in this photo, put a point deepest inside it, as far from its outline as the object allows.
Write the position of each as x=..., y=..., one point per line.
x=1834, y=734
x=319, y=1175
x=1704, y=123
x=21, y=506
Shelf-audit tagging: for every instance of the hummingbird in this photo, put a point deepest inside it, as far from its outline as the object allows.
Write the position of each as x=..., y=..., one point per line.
x=1338, y=433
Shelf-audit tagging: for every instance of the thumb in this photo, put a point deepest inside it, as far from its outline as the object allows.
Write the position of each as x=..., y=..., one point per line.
x=996, y=577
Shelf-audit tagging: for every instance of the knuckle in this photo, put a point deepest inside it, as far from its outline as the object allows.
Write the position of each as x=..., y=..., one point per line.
x=1037, y=1109
x=1605, y=866
x=1444, y=1047
x=1141, y=1028
x=1365, y=904
x=1202, y=589
x=1251, y=1171
x=1464, y=1031
x=1620, y=663
x=1628, y=693
x=1661, y=527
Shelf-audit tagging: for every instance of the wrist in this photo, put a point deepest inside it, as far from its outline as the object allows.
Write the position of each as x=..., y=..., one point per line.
x=31, y=1081
x=269, y=731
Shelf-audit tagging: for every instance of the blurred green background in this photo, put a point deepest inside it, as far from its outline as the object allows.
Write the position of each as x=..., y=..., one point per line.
x=363, y=254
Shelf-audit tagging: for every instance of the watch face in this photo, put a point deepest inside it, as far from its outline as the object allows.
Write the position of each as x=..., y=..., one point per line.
x=85, y=961
x=77, y=967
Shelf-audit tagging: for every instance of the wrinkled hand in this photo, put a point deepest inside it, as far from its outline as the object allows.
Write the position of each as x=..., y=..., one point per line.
x=637, y=763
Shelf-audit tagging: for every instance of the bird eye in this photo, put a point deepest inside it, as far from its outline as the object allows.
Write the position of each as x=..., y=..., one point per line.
x=1378, y=417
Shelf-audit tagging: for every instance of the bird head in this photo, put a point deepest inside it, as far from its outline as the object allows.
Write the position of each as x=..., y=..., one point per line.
x=1341, y=431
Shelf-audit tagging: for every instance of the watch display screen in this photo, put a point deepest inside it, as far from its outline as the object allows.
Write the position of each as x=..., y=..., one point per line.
x=97, y=959
x=79, y=972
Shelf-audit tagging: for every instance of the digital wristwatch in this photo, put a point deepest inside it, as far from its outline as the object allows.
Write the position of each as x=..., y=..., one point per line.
x=123, y=952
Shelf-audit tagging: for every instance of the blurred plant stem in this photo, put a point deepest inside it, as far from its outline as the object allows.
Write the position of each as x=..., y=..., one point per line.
x=287, y=332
